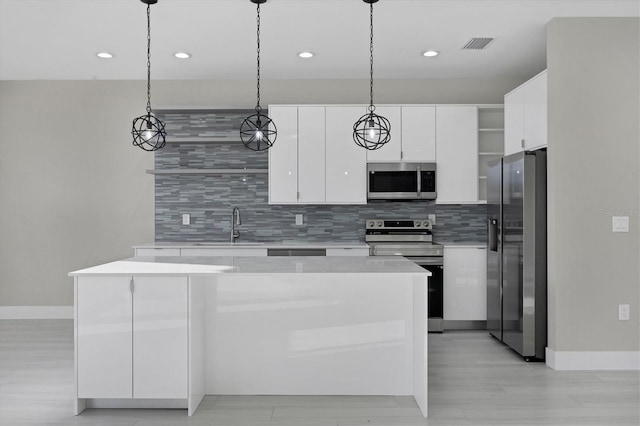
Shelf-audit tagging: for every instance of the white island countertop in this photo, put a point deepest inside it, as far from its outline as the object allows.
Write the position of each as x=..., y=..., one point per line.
x=255, y=265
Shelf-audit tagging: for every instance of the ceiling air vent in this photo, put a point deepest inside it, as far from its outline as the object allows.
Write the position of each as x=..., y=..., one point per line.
x=477, y=43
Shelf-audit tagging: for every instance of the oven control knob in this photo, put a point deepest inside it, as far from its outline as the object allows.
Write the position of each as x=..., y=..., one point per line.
x=425, y=223
x=371, y=224
x=418, y=224
x=379, y=223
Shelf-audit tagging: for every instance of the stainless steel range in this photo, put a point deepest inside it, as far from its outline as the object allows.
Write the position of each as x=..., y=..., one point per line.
x=412, y=239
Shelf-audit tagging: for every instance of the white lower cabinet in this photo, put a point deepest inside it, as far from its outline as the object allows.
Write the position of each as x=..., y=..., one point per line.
x=132, y=337
x=465, y=283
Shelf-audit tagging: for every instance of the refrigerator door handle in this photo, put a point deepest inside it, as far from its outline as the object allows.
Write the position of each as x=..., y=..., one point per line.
x=493, y=235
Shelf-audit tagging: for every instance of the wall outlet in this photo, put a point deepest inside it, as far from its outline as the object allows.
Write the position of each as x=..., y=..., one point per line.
x=299, y=219
x=432, y=218
x=623, y=312
x=620, y=223
x=186, y=219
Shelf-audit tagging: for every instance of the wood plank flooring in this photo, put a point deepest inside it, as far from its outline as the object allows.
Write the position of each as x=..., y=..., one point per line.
x=473, y=380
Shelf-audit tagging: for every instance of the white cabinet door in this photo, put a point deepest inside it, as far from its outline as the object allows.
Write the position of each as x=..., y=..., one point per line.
x=283, y=156
x=535, y=112
x=160, y=337
x=514, y=121
x=346, y=172
x=457, y=154
x=391, y=151
x=104, y=337
x=311, y=155
x=418, y=134
x=525, y=116
x=465, y=284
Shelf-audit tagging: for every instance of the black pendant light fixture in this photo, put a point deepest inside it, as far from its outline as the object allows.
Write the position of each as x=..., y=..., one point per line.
x=148, y=132
x=371, y=131
x=258, y=132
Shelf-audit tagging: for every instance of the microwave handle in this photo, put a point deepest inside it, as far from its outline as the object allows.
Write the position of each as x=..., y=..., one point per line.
x=419, y=177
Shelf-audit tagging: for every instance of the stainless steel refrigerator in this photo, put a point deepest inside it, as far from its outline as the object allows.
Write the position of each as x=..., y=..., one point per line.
x=517, y=252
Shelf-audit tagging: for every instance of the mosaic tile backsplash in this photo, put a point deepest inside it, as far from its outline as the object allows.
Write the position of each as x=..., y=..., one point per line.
x=210, y=199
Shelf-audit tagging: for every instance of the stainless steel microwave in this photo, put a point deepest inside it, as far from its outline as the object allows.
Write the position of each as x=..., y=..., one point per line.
x=401, y=181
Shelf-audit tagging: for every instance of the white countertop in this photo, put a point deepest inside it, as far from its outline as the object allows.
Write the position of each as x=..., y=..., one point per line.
x=255, y=265
x=243, y=244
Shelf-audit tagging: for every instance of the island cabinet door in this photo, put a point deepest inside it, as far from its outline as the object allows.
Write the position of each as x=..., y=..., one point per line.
x=160, y=337
x=104, y=337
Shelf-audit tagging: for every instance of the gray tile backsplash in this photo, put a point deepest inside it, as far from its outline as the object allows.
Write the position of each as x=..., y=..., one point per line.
x=210, y=198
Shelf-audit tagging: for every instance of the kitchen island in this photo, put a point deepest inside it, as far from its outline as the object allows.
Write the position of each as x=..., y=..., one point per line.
x=164, y=332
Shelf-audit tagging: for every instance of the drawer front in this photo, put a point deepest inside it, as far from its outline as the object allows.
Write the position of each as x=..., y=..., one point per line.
x=146, y=252
x=215, y=251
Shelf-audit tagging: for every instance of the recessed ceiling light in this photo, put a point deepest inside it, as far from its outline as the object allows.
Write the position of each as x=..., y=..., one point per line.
x=182, y=55
x=430, y=53
x=306, y=55
x=104, y=55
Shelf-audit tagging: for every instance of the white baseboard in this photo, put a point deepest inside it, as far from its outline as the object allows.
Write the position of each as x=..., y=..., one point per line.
x=593, y=360
x=36, y=312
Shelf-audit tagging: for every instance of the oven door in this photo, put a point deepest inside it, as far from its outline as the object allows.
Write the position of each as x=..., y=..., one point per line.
x=435, y=315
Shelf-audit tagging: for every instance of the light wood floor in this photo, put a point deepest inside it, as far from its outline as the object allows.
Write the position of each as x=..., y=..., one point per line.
x=473, y=380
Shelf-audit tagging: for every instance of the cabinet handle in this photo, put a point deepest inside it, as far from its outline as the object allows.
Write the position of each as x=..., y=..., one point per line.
x=522, y=143
x=131, y=287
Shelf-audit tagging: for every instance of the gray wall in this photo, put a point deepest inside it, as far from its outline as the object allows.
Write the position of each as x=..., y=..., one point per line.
x=594, y=172
x=73, y=191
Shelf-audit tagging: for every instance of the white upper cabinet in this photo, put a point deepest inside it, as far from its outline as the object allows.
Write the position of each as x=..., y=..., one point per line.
x=535, y=112
x=346, y=162
x=419, y=134
x=392, y=150
x=283, y=156
x=525, y=116
x=413, y=135
x=514, y=122
x=457, y=154
x=311, y=155
x=314, y=159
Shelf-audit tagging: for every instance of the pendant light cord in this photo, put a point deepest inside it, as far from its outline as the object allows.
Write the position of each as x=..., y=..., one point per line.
x=371, y=107
x=258, y=107
x=149, y=59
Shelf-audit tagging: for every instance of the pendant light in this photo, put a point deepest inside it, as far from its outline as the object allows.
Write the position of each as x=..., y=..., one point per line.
x=148, y=131
x=371, y=131
x=258, y=132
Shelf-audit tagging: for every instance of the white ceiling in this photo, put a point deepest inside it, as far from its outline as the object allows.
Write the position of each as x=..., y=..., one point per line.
x=58, y=39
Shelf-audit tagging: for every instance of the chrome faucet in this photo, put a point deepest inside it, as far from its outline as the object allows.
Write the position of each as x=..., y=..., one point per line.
x=235, y=221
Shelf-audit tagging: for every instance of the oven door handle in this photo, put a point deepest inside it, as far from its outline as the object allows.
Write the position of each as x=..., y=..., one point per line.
x=419, y=177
